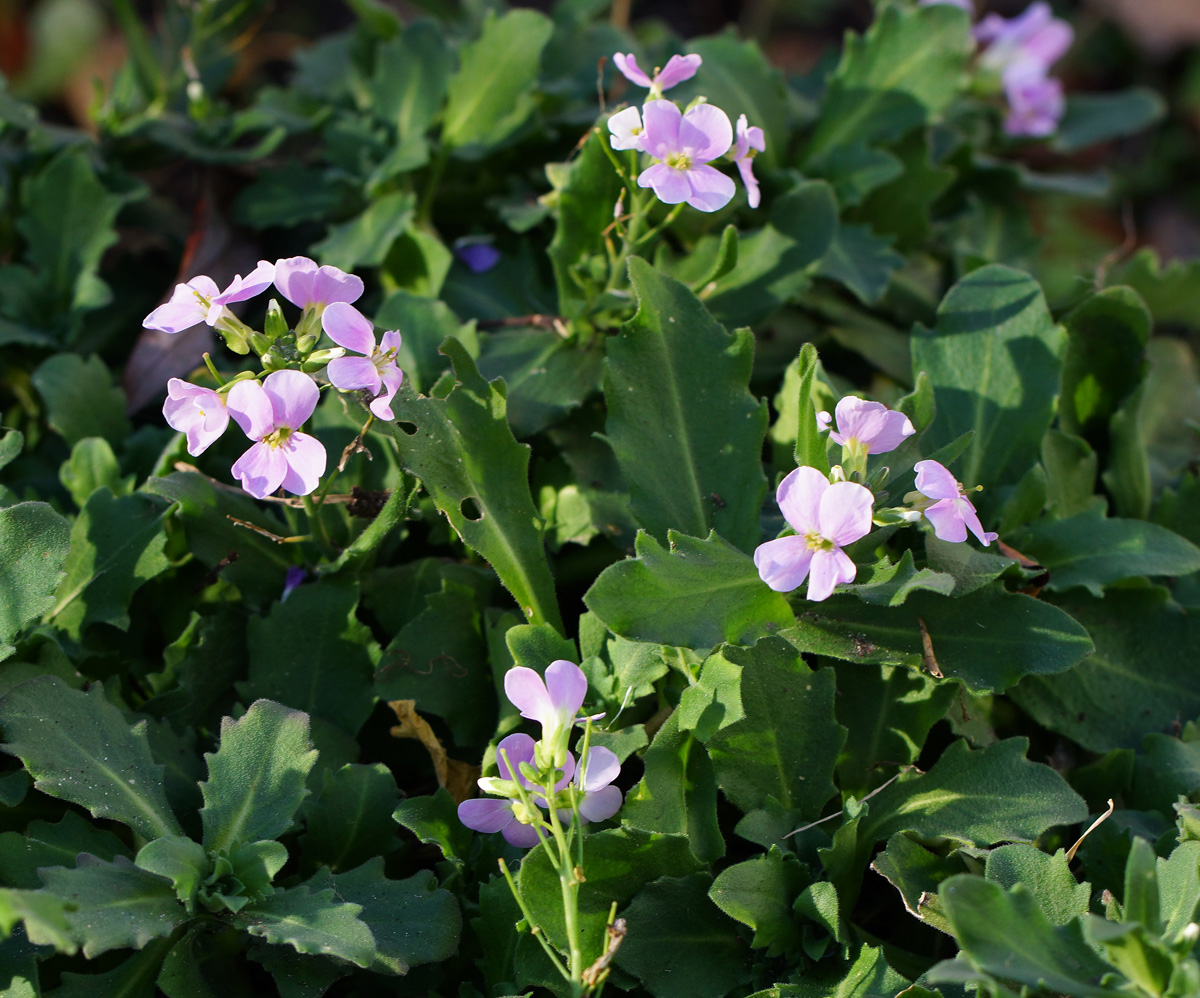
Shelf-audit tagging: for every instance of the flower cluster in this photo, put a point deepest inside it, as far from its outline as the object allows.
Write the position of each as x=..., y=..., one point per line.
x=272, y=411
x=682, y=143
x=539, y=784
x=1019, y=52
x=828, y=513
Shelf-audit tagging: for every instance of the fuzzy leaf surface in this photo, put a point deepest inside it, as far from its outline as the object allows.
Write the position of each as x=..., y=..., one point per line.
x=34, y=542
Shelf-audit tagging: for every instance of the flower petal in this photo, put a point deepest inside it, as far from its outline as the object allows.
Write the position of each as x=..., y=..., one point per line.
x=660, y=137
x=935, y=481
x=261, y=470
x=677, y=69
x=349, y=328
x=306, y=462
x=199, y=413
x=603, y=767
x=966, y=509
x=705, y=133
x=294, y=279
x=527, y=692
x=799, y=498
x=567, y=686
x=485, y=814
x=293, y=395
x=746, y=169
x=241, y=288
x=599, y=805
x=783, y=563
x=516, y=749
x=186, y=307
x=626, y=129
x=352, y=373
x=829, y=568
x=711, y=189
x=332, y=285
x=521, y=836
x=382, y=405
x=628, y=67
x=845, y=512
x=947, y=521
x=251, y=409
x=670, y=185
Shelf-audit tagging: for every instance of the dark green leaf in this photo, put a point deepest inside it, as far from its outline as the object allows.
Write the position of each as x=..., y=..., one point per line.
x=434, y=820
x=759, y=893
x=411, y=74
x=351, y=820
x=81, y=400
x=367, y=238
x=311, y=923
x=34, y=541
x=58, y=844
x=862, y=261
x=1094, y=118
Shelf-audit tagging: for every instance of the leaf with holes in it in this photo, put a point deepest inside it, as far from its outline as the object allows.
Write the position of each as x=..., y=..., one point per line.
x=34, y=542
x=256, y=777
x=461, y=448
x=79, y=747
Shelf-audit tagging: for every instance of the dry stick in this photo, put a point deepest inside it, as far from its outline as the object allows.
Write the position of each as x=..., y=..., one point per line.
x=296, y=502
x=830, y=817
x=616, y=935
x=1091, y=828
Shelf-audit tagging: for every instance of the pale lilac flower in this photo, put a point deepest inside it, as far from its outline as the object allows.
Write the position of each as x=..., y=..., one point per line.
x=508, y=816
x=952, y=513
x=552, y=702
x=479, y=255
x=677, y=69
x=271, y=413
x=750, y=140
x=292, y=580
x=191, y=304
x=626, y=129
x=303, y=283
x=825, y=517
x=684, y=144
x=1035, y=106
x=599, y=800
x=867, y=426
x=199, y=413
x=1024, y=46
x=255, y=282
x=376, y=371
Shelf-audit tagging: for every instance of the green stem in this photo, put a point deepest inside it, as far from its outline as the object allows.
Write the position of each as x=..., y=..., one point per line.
x=316, y=526
x=212, y=369
x=671, y=216
x=533, y=926
x=570, y=894
x=425, y=212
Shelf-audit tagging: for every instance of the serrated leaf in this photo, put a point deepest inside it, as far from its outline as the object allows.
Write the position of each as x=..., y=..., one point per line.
x=57, y=844
x=994, y=357
x=116, y=545
x=759, y=893
x=44, y=917
x=180, y=860
x=434, y=820
x=489, y=97
x=699, y=594
x=114, y=905
x=1059, y=895
x=685, y=429
x=466, y=457
x=352, y=819
x=311, y=923
x=916, y=873
x=888, y=583
x=79, y=747
x=34, y=543
x=1171, y=290
x=787, y=745
x=256, y=777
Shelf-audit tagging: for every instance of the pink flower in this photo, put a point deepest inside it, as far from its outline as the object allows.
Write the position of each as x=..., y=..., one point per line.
x=1025, y=46
x=677, y=69
x=1035, y=106
x=684, y=144
x=271, y=413
x=868, y=426
x=198, y=300
x=952, y=513
x=825, y=517
x=750, y=139
x=198, y=412
x=376, y=371
x=600, y=799
x=255, y=282
x=306, y=285
x=509, y=816
x=626, y=129
x=552, y=702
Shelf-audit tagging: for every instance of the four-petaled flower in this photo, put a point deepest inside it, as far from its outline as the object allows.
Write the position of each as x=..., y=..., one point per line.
x=677, y=69
x=509, y=816
x=950, y=511
x=199, y=413
x=684, y=144
x=552, y=702
x=199, y=300
x=271, y=413
x=825, y=517
x=1023, y=46
x=750, y=140
x=308, y=286
x=376, y=371
x=600, y=799
x=869, y=427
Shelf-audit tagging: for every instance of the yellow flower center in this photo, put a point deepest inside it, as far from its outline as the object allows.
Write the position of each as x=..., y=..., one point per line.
x=679, y=161
x=278, y=438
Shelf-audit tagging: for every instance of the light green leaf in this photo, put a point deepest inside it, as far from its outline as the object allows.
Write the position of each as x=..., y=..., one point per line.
x=366, y=239
x=685, y=430
x=434, y=820
x=116, y=545
x=466, y=457
x=79, y=747
x=888, y=583
x=759, y=893
x=256, y=777
x=44, y=916
x=697, y=595
x=490, y=95
x=114, y=905
x=1170, y=290
x=93, y=465
x=410, y=79
x=311, y=923
x=994, y=358
x=180, y=860
x=787, y=745
x=1048, y=878
x=34, y=542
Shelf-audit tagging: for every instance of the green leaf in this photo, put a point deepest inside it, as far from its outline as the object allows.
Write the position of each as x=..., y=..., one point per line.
x=413, y=921
x=199, y=668
x=1107, y=335
x=1131, y=684
x=697, y=956
x=490, y=95
x=855, y=171
x=466, y=457
x=1005, y=933
x=1094, y=118
x=699, y=594
x=888, y=583
x=256, y=777
x=312, y=653
x=1179, y=887
x=44, y=916
x=1070, y=465
x=351, y=820
x=81, y=400
x=79, y=747
x=1048, y=878
x=714, y=701
x=907, y=69
x=114, y=905
x=862, y=261
x=411, y=75
x=1094, y=551
x=994, y=358
x=116, y=545
x=182, y=861
x=46, y=844
x=311, y=923
x=760, y=893
x=434, y=820
x=787, y=745
x=1171, y=291
x=685, y=430
x=903, y=208
x=288, y=195
x=916, y=873
x=987, y=639
x=34, y=541
x=366, y=239
x=811, y=448
x=92, y=465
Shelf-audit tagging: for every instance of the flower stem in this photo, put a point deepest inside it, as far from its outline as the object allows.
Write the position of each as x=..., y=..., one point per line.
x=533, y=926
x=317, y=526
